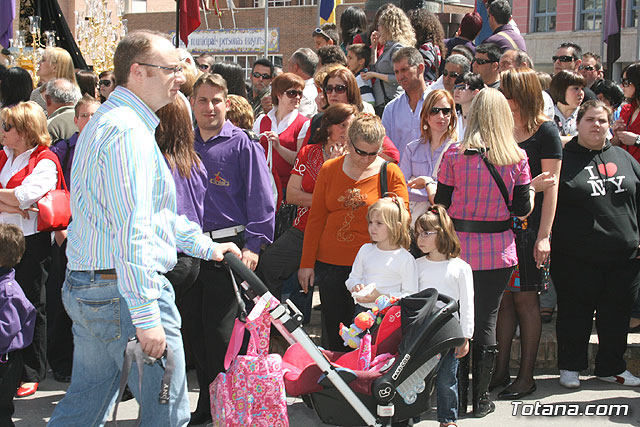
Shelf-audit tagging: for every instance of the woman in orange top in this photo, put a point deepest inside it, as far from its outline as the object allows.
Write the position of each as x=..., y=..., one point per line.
x=337, y=224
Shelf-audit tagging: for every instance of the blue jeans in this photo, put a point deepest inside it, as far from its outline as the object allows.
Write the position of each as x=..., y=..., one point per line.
x=447, y=388
x=101, y=329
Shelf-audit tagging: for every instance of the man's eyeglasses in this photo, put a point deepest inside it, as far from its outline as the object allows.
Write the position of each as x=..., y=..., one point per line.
x=451, y=74
x=105, y=83
x=461, y=86
x=481, y=61
x=175, y=70
x=446, y=111
x=563, y=58
x=626, y=82
x=339, y=89
x=587, y=67
x=6, y=126
x=257, y=75
x=292, y=93
x=363, y=153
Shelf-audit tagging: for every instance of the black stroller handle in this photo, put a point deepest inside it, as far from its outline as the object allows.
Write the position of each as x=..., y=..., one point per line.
x=451, y=305
x=245, y=273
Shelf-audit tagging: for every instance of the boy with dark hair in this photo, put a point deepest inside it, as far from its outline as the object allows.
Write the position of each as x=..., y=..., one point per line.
x=325, y=34
x=17, y=319
x=358, y=56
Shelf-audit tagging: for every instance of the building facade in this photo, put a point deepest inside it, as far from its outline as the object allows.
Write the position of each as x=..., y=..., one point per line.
x=547, y=23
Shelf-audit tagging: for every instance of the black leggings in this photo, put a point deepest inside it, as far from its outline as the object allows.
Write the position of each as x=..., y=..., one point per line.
x=488, y=286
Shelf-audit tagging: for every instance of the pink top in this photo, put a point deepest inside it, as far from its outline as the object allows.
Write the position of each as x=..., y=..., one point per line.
x=476, y=196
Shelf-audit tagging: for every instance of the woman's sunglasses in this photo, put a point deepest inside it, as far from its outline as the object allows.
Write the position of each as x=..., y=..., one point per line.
x=451, y=74
x=105, y=83
x=626, y=82
x=363, y=153
x=446, y=111
x=339, y=89
x=6, y=126
x=292, y=93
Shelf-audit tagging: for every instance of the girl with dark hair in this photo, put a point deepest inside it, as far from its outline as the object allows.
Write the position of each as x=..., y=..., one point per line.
x=352, y=22
x=88, y=83
x=567, y=91
x=15, y=87
x=174, y=136
x=627, y=128
x=429, y=41
x=467, y=86
x=106, y=84
x=233, y=75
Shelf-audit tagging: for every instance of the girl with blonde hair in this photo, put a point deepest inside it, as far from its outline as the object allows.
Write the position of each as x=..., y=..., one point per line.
x=394, y=32
x=468, y=187
x=55, y=63
x=384, y=266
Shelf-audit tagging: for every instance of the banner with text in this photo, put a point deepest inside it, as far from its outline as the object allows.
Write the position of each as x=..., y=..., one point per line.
x=240, y=40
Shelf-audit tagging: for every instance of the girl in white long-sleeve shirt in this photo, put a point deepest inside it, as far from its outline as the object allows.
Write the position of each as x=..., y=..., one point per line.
x=441, y=269
x=384, y=267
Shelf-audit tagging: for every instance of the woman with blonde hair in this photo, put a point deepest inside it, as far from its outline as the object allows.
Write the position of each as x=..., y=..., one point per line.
x=394, y=31
x=540, y=138
x=482, y=218
x=55, y=63
x=421, y=159
x=28, y=171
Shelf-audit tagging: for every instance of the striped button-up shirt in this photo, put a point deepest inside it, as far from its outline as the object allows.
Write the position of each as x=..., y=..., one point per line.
x=123, y=205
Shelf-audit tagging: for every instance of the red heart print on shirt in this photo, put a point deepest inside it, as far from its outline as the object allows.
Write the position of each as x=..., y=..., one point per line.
x=607, y=169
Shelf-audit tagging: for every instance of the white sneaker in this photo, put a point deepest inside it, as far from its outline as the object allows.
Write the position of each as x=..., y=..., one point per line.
x=625, y=378
x=570, y=379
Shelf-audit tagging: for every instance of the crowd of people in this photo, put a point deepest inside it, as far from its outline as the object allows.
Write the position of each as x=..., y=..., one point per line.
x=509, y=189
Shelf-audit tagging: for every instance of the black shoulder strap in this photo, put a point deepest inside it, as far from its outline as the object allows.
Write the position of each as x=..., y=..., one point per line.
x=494, y=173
x=384, y=188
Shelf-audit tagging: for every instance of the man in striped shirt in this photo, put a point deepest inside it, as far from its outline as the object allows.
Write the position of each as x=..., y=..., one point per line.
x=124, y=235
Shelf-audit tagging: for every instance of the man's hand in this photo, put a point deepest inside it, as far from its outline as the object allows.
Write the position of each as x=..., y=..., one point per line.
x=250, y=259
x=222, y=248
x=267, y=103
x=306, y=277
x=152, y=340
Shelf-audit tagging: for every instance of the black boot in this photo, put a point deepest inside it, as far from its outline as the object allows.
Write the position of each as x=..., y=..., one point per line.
x=463, y=384
x=484, y=357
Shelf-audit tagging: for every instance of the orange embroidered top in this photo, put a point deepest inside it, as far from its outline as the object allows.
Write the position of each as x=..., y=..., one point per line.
x=337, y=224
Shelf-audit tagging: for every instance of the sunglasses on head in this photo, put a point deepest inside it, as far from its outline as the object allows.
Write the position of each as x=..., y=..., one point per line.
x=461, y=86
x=363, y=153
x=587, y=67
x=105, y=83
x=339, y=89
x=626, y=82
x=320, y=32
x=446, y=111
x=451, y=74
x=563, y=58
x=264, y=76
x=481, y=61
x=292, y=93
x=6, y=126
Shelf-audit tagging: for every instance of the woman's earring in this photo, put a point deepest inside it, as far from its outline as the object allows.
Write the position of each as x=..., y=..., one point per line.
x=425, y=127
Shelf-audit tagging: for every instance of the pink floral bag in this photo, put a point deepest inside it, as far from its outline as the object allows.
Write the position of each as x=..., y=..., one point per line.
x=251, y=392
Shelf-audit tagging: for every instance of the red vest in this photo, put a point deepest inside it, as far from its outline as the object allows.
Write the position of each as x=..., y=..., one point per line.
x=38, y=154
x=288, y=139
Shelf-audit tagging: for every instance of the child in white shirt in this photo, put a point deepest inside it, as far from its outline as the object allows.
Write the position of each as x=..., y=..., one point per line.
x=384, y=267
x=440, y=268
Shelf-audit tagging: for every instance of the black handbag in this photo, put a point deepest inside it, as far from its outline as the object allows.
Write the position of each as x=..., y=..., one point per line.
x=284, y=218
x=384, y=187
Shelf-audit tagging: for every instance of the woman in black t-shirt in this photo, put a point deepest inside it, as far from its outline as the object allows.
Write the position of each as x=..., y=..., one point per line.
x=541, y=140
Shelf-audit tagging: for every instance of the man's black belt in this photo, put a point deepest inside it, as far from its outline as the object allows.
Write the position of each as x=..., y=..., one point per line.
x=469, y=226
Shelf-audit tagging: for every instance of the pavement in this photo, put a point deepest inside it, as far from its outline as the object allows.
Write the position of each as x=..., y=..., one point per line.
x=35, y=410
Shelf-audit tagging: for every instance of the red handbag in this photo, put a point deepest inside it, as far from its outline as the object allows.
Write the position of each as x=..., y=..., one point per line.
x=54, y=208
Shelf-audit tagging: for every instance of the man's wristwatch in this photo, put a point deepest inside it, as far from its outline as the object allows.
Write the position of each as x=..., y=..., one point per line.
x=637, y=143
